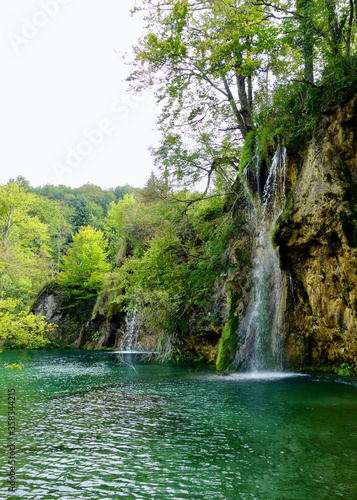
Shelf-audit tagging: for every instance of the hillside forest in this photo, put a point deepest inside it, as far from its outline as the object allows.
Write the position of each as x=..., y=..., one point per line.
x=234, y=79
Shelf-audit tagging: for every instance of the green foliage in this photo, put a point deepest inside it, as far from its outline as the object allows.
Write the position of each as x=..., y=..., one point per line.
x=176, y=356
x=14, y=366
x=69, y=197
x=339, y=80
x=266, y=69
x=172, y=258
x=25, y=244
x=83, y=215
x=346, y=370
x=120, y=224
x=19, y=329
x=248, y=151
x=229, y=339
x=198, y=58
x=83, y=268
x=96, y=337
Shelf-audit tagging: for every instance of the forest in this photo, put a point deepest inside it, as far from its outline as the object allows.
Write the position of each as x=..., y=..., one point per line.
x=233, y=80
x=143, y=244
x=193, y=335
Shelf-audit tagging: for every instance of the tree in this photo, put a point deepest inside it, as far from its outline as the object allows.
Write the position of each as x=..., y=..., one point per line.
x=20, y=329
x=14, y=205
x=120, y=191
x=217, y=65
x=83, y=215
x=95, y=194
x=120, y=224
x=57, y=216
x=24, y=244
x=155, y=189
x=85, y=264
x=202, y=59
x=324, y=30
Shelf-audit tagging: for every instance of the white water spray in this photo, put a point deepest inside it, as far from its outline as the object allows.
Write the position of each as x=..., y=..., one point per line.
x=262, y=339
x=130, y=338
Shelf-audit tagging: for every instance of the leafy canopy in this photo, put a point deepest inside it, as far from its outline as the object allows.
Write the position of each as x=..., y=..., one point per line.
x=83, y=268
x=20, y=329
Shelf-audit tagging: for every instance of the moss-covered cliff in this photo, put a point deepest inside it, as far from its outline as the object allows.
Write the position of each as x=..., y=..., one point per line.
x=317, y=240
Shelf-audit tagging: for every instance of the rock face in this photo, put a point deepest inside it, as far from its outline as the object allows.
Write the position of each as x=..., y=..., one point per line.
x=97, y=332
x=317, y=240
x=229, y=299
x=49, y=304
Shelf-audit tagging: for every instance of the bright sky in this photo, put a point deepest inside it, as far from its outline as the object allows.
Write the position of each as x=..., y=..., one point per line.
x=66, y=116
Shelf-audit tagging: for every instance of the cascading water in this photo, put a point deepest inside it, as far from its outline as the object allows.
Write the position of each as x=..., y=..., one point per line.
x=130, y=337
x=262, y=346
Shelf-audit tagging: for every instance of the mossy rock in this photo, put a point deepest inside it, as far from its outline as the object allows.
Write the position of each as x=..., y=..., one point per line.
x=229, y=339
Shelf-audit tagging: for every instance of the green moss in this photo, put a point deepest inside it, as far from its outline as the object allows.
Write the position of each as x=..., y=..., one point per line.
x=282, y=219
x=229, y=339
x=247, y=152
x=250, y=165
x=270, y=138
x=256, y=154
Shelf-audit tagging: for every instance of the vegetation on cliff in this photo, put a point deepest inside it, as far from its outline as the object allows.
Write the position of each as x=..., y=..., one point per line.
x=235, y=80
x=160, y=251
x=36, y=227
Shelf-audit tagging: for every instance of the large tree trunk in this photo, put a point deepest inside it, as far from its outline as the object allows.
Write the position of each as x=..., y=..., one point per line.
x=240, y=119
x=245, y=110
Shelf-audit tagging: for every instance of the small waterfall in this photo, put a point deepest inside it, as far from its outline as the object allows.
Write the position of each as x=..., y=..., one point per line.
x=262, y=346
x=130, y=340
x=251, y=173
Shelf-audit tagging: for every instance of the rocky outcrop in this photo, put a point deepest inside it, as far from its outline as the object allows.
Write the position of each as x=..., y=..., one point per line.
x=50, y=305
x=98, y=331
x=213, y=331
x=316, y=236
x=316, y=239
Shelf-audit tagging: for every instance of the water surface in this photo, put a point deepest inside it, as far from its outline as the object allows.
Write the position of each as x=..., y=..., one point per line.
x=94, y=427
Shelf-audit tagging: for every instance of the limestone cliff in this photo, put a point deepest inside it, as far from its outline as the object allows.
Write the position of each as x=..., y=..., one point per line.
x=316, y=236
x=316, y=240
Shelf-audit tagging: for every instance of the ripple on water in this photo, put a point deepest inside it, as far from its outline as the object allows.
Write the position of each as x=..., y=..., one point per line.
x=165, y=432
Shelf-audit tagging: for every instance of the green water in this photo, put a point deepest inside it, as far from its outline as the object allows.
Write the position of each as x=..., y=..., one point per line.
x=90, y=427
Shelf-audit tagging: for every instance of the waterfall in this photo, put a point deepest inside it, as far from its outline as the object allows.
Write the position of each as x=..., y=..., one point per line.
x=130, y=337
x=262, y=345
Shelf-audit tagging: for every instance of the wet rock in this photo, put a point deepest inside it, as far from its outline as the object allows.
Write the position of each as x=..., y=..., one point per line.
x=317, y=244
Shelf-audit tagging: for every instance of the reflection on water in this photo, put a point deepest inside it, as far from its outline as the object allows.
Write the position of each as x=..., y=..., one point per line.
x=93, y=427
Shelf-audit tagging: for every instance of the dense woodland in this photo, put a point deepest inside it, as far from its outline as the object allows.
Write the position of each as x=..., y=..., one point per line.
x=144, y=245
x=233, y=79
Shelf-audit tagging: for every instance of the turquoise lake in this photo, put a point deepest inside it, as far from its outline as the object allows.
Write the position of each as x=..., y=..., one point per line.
x=101, y=425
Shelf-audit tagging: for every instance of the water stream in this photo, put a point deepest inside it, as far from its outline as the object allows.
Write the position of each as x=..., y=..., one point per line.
x=91, y=427
x=262, y=329
x=130, y=341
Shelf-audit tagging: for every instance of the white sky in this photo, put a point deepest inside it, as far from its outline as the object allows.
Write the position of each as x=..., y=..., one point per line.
x=62, y=78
